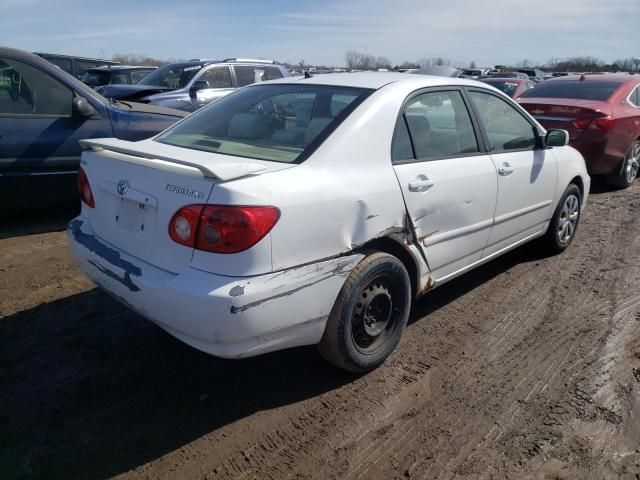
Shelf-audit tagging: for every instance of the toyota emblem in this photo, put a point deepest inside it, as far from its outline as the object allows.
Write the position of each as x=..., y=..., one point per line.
x=123, y=187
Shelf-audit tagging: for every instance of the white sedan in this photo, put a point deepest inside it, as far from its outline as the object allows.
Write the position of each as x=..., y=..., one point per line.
x=313, y=211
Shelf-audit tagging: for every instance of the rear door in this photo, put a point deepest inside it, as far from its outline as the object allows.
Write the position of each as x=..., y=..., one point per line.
x=527, y=174
x=449, y=184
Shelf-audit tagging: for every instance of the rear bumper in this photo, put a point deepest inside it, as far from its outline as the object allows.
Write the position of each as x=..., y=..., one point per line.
x=230, y=317
x=600, y=159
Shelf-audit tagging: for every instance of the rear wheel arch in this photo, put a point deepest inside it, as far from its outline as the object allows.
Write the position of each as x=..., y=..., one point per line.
x=398, y=250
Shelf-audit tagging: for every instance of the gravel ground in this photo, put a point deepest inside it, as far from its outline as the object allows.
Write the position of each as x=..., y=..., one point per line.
x=528, y=367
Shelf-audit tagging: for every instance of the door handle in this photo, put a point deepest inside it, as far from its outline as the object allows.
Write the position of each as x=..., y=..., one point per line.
x=421, y=184
x=506, y=169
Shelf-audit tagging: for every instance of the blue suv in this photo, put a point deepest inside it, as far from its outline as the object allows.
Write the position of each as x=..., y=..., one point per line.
x=44, y=111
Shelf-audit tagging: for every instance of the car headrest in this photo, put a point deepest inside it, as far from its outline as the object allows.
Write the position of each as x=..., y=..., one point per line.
x=248, y=125
x=315, y=126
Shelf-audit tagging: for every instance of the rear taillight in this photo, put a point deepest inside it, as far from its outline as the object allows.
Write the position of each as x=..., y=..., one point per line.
x=581, y=123
x=86, y=195
x=602, y=124
x=222, y=228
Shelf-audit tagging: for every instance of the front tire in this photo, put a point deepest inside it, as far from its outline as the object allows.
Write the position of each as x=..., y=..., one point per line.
x=369, y=315
x=629, y=171
x=564, y=223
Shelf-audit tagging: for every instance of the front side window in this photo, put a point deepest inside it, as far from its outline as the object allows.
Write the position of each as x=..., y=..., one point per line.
x=96, y=78
x=217, y=77
x=121, y=78
x=26, y=90
x=506, y=127
x=267, y=122
x=247, y=75
x=138, y=75
x=172, y=76
x=440, y=125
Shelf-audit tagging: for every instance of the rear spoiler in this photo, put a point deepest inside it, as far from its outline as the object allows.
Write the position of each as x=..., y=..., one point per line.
x=150, y=155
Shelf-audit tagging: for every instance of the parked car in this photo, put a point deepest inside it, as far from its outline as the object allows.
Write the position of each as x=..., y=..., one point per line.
x=601, y=114
x=313, y=211
x=75, y=65
x=534, y=74
x=120, y=74
x=475, y=73
x=190, y=85
x=521, y=75
x=513, y=87
x=44, y=111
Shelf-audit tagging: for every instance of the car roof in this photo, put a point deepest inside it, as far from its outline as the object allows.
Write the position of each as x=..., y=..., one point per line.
x=375, y=80
x=502, y=80
x=113, y=68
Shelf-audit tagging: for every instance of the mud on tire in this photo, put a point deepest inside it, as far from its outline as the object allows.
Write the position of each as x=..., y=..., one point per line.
x=369, y=315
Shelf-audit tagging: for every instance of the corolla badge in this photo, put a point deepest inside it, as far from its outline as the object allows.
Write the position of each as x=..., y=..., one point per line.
x=123, y=187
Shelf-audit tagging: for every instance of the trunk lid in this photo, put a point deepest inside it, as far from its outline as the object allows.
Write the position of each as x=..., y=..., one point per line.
x=139, y=186
x=569, y=114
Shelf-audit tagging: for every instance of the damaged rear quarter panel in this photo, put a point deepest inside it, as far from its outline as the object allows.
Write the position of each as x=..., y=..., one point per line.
x=341, y=197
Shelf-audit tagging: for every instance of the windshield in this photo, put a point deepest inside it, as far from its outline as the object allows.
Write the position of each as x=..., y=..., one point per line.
x=281, y=122
x=95, y=78
x=507, y=87
x=472, y=72
x=578, y=89
x=172, y=76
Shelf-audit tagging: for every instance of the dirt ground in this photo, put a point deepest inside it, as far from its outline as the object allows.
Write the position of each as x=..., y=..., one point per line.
x=527, y=368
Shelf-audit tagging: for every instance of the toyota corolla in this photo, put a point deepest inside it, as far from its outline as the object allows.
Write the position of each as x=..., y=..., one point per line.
x=314, y=211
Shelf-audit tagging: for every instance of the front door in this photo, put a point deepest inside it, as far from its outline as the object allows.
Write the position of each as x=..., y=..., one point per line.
x=527, y=174
x=39, y=133
x=449, y=185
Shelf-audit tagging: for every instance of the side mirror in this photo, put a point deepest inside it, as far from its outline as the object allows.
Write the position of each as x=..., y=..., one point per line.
x=200, y=85
x=556, y=138
x=82, y=107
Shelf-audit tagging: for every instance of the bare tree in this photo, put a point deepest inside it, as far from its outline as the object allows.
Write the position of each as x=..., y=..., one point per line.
x=136, y=59
x=472, y=64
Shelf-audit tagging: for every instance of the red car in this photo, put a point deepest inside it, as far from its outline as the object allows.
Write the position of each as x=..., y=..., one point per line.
x=513, y=87
x=602, y=115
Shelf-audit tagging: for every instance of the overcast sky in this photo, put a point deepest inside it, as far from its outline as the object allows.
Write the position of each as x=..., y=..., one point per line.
x=487, y=31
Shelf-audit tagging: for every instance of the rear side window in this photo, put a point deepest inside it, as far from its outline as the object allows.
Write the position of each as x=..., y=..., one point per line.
x=218, y=77
x=26, y=90
x=635, y=97
x=272, y=73
x=246, y=75
x=577, y=89
x=440, y=125
x=282, y=123
x=505, y=126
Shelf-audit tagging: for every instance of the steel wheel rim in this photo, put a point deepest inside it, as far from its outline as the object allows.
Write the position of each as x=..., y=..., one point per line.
x=375, y=315
x=568, y=219
x=632, y=163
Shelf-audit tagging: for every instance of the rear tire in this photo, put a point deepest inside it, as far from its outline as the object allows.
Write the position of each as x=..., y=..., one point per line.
x=629, y=169
x=564, y=223
x=369, y=315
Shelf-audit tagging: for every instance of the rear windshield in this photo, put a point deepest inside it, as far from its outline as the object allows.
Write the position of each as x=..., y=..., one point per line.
x=580, y=90
x=281, y=122
x=507, y=87
x=96, y=78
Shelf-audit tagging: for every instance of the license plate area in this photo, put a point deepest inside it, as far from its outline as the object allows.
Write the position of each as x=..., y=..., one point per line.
x=130, y=215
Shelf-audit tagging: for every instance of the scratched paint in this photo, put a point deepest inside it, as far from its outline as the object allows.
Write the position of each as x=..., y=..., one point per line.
x=107, y=253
